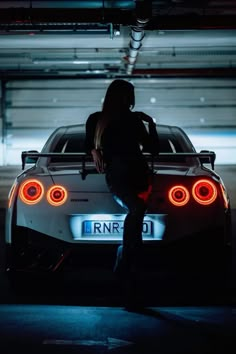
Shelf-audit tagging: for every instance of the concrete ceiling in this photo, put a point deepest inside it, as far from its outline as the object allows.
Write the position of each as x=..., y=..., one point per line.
x=168, y=38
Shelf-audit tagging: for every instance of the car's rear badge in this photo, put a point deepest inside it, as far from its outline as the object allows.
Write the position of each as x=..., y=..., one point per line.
x=79, y=200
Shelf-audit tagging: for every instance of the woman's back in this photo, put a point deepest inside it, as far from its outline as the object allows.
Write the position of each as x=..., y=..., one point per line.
x=123, y=136
x=121, y=144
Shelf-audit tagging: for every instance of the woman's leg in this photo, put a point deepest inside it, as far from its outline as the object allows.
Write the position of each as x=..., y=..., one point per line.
x=132, y=250
x=132, y=234
x=128, y=255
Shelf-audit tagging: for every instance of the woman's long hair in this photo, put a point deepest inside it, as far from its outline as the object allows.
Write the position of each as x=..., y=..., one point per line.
x=119, y=98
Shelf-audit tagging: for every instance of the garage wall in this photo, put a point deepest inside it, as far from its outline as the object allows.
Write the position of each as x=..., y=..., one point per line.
x=205, y=108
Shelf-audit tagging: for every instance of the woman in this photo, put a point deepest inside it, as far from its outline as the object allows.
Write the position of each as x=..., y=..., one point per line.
x=116, y=137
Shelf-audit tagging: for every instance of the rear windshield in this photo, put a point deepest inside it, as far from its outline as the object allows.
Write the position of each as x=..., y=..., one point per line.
x=75, y=143
x=169, y=143
x=69, y=143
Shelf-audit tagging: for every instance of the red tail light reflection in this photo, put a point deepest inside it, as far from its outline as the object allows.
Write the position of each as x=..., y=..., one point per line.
x=11, y=194
x=224, y=195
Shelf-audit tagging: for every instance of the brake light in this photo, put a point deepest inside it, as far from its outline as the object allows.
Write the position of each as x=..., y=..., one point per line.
x=56, y=195
x=178, y=195
x=204, y=192
x=31, y=191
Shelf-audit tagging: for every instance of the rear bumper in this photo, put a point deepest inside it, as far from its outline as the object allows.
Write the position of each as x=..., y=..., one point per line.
x=31, y=251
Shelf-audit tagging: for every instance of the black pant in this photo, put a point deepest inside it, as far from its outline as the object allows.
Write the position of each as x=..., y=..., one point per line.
x=129, y=256
x=126, y=181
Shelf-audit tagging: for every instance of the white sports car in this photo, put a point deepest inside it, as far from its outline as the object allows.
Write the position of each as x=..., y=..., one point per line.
x=61, y=212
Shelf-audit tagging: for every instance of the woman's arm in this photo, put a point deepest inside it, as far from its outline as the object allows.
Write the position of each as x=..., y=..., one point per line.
x=98, y=160
x=90, y=128
x=150, y=140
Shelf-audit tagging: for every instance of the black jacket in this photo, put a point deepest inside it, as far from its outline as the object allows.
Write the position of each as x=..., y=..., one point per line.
x=123, y=141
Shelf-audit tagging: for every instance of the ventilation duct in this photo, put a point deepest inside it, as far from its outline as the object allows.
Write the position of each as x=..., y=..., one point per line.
x=137, y=35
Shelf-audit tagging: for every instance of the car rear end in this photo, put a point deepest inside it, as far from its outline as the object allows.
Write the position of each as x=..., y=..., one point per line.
x=197, y=238
x=62, y=216
x=58, y=215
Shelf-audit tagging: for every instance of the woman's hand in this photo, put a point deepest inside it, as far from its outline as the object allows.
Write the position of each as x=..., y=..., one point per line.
x=144, y=117
x=98, y=160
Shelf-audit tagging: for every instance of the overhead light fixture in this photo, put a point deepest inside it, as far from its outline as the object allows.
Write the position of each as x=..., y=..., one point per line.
x=113, y=30
x=153, y=100
x=75, y=61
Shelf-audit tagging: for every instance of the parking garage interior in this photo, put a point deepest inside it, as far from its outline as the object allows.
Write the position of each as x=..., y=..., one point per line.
x=56, y=60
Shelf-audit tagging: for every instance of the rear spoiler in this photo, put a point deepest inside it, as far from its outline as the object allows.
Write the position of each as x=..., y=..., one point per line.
x=205, y=157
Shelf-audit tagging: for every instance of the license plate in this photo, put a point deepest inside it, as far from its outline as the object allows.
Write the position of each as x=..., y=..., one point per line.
x=110, y=227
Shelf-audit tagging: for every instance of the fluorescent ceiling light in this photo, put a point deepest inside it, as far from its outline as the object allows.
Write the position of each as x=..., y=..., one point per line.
x=76, y=61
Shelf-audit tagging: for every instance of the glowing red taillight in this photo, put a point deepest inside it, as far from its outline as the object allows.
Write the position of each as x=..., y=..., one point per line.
x=204, y=192
x=56, y=195
x=31, y=191
x=178, y=195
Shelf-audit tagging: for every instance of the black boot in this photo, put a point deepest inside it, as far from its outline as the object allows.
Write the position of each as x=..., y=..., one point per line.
x=132, y=292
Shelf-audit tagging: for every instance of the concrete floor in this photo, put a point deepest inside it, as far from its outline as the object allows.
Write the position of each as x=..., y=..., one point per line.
x=99, y=330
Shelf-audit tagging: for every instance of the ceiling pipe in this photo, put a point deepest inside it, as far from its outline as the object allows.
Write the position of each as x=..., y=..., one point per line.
x=137, y=34
x=187, y=72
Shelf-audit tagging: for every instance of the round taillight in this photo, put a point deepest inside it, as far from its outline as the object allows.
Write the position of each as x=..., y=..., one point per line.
x=178, y=195
x=57, y=195
x=204, y=192
x=31, y=191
